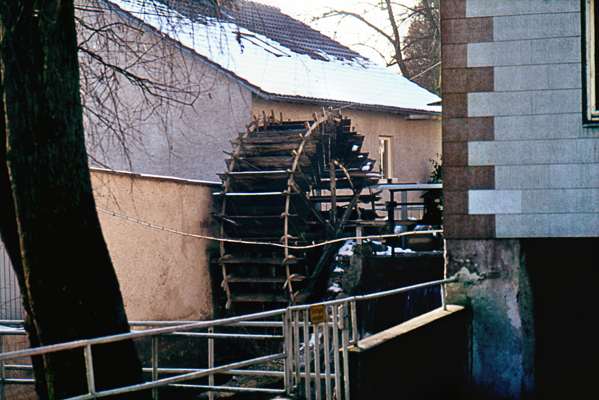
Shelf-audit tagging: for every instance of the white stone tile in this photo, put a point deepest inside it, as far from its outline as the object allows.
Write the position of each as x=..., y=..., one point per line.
x=494, y=202
x=484, y=8
x=556, y=50
x=490, y=54
x=530, y=152
x=560, y=201
x=536, y=26
x=547, y=225
x=558, y=176
x=504, y=103
x=557, y=101
x=483, y=104
x=524, y=52
x=538, y=77
x=553, y=126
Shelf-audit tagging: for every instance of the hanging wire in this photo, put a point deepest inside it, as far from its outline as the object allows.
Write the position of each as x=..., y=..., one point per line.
x=157, y=227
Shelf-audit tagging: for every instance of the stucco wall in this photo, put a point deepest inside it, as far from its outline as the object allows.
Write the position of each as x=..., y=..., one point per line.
x=414, y=142
x=163, y=276
x=182, y=135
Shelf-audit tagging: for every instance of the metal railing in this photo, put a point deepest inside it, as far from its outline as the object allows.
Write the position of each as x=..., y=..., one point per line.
x=315, y=341
x=402, y=210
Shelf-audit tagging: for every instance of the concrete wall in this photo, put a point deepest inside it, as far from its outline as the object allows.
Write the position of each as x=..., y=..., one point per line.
x=414, y=142
x=499, y=295
x=423, y=358
x=163, y=276
x=184, y=136
x=520, y=161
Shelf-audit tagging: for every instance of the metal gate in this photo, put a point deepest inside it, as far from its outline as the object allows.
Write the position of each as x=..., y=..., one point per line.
x=317, y=353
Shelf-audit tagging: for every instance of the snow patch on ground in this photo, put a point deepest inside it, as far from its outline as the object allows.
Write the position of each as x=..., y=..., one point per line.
x=347, y=250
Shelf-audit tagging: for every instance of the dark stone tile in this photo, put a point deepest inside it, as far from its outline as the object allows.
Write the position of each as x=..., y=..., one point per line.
x=467, y=178
x=455, y=154
x=455, y=105
x=455, y=202
x=467, y=30
x=452, y=9
x=468, y=80
x=454, y=55
x=456, y=226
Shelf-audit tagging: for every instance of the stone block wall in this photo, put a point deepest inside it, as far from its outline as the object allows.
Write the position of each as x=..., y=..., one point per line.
x=519, y=160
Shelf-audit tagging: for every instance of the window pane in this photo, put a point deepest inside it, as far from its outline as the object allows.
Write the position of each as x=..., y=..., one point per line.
x=385, y=157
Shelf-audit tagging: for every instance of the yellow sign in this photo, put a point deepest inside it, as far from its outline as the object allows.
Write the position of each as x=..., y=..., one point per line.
x=317, y=314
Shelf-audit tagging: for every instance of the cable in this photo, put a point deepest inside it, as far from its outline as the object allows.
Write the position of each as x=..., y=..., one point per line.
x=258, y=243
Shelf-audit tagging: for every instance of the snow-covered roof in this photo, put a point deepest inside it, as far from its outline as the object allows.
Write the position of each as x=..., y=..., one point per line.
x=280, y=57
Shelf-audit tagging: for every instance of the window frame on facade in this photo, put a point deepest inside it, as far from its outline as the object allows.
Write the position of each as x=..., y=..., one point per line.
x=591, y=61
x=386, y=156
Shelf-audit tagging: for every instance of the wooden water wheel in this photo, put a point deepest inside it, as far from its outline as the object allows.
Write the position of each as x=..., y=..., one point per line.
x=293, y=184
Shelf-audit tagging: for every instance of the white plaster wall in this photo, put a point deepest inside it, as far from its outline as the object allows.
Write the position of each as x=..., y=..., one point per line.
x=164, y=137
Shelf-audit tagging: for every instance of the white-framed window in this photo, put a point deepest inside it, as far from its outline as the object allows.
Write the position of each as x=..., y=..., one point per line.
x=386, y=156
x=591, y=78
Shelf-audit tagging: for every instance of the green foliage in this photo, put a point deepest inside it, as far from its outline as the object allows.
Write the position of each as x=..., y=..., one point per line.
x=436, y=175
x=433, y=199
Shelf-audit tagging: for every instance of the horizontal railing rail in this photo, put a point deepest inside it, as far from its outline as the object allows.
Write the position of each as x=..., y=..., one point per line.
x=315, y=339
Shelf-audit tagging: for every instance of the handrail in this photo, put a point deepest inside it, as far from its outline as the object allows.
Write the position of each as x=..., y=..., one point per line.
x=135, y=335
x=298, y=331
x=376, y=295
x=207, y=324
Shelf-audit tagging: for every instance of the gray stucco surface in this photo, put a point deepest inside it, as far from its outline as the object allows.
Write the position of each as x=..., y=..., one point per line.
x=183, y=135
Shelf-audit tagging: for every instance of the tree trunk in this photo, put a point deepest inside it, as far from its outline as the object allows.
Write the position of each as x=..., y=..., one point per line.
x=10, y=236
x=66, y=275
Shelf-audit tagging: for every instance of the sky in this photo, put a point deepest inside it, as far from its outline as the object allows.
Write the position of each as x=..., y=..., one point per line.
x=349, y=31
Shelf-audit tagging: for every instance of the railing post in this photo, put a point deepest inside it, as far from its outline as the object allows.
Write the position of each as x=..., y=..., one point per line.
x=211, y=362
x=391, y=210
x=89, y=370
x=155, y=391
x=307, y=361
x=295, y=315
x=354, y=322
x=2, y=371
x=336, y=364
x=345, y=346
x=288, y=346
x=443, y=302
x=317, y=382
x=404, y=205
x=327, y=350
